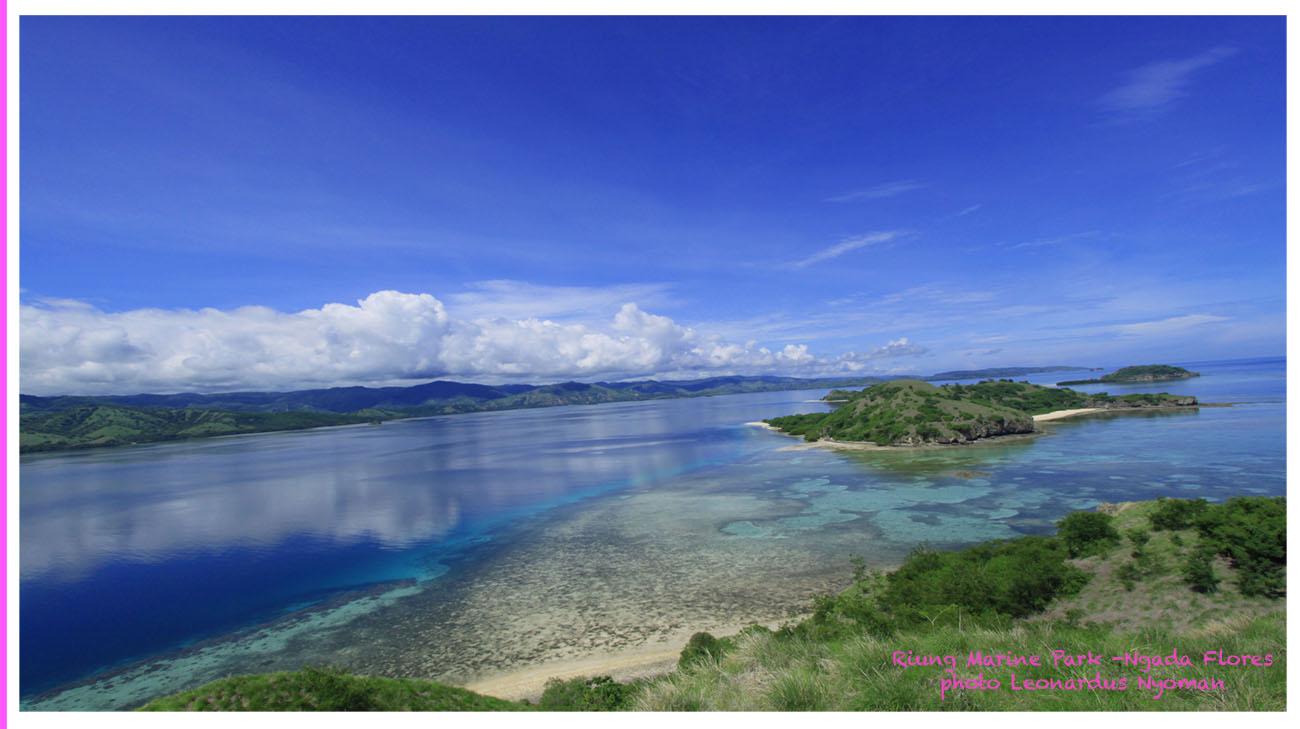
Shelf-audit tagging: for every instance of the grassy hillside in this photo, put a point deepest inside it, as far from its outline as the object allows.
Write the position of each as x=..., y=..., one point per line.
x=57, y=423
x=1125, y=581
x=911, y=412
x=106, y=425
x=907, y=412
x=1132, y=590
x=327, y=689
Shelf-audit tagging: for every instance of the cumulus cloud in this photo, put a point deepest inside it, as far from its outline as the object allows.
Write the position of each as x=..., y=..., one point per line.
x=387, y=338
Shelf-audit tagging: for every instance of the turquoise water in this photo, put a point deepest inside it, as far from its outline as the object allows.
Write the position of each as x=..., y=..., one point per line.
x=461, y=545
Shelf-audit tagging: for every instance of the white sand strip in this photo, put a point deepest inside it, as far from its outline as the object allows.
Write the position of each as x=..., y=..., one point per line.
x=655, y=659
x=1058, y=414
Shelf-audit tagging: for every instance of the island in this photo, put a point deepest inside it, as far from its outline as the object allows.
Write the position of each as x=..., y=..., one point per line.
x=1138, y=375
x=915, y=413
x=72, y=422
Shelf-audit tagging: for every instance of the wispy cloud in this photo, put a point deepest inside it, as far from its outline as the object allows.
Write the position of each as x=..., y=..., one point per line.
x=888, y=189
x=843, y=247
x=900, y=347
x=1213, y=177
x=1172, y=324
x=1152, y=89
x=1044, y=242
x=970, y=210
x=506, y=299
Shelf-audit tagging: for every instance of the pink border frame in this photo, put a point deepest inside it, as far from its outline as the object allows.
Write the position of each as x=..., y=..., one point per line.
x=4, y=358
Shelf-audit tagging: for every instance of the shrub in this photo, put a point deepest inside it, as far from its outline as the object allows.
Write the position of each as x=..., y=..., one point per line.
x=1013, y=578
x=1138, y=538
x=703, y=646
x=1176, y=514
x=1086, y=533
x=600, y=693
x=1128, y=574
x=1199, y=570
x=1251, y=531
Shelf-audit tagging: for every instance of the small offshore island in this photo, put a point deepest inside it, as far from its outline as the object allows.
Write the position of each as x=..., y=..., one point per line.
x=915, y=413
x=1138, y=375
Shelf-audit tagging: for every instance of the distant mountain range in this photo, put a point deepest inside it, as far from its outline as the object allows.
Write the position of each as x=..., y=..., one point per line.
x=70, y=421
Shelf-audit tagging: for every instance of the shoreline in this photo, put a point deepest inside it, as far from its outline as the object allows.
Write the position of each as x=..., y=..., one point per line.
x=644, y=661
x=839, y=445
x=1059, y=414
x=1012, y=437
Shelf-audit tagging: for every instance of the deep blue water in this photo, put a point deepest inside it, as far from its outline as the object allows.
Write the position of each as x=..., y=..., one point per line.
x=126, y=553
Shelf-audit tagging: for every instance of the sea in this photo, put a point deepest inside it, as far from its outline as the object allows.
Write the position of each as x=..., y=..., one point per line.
x=460, y=547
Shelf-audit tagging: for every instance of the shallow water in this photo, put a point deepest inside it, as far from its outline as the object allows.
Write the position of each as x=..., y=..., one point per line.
x=460, y=546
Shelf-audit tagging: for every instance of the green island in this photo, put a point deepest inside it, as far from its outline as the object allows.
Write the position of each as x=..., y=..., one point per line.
x=1140, y=374
x=1151, y=582
x=911, y=412
x=107, y=425
x=71, y=422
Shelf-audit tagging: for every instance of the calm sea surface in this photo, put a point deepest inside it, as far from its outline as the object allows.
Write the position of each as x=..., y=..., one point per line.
x=456, y=546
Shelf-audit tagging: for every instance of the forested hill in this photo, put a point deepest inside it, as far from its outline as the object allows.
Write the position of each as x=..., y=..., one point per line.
x=58, y=423
x=1138, y=375
x=109, y=425
x=55, y=423
x=911, y=412
x=441, y=397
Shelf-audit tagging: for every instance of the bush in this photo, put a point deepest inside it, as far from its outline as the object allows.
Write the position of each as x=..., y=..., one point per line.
x=600, y=693
x=1174, y=514
x=1138, y=538
x=1128, y=574
x=1012, y=578
x=1199, y=570
x=1086, y=533
x=1251, y=531
x=702, y=647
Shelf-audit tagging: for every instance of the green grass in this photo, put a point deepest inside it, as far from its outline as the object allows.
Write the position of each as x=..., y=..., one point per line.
x=910, y=412
x=110, y=425
x=1022, y=597
x=860, y=674
x=326, y=689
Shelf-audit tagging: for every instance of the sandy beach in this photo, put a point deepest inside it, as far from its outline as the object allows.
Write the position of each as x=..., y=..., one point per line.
x=837, y=445
x=653, y=659
x=856, y=446
x=1058, y=414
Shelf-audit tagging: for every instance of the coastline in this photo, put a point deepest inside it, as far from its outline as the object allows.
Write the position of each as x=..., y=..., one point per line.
x=645, y=661
x=1059, y=414
x=1041, y=418
x=839, y=445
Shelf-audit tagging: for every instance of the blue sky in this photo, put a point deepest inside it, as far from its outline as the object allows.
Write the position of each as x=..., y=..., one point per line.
x=231, y=203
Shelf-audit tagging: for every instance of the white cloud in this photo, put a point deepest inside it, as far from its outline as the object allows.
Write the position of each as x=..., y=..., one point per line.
x=900, y=347
x=888, y=189
x=970, y=210
x=387, y=338
x=1164, y=326
x=1044, y=242
x=1153, y=88
x=521, y=300
x=845, y=246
